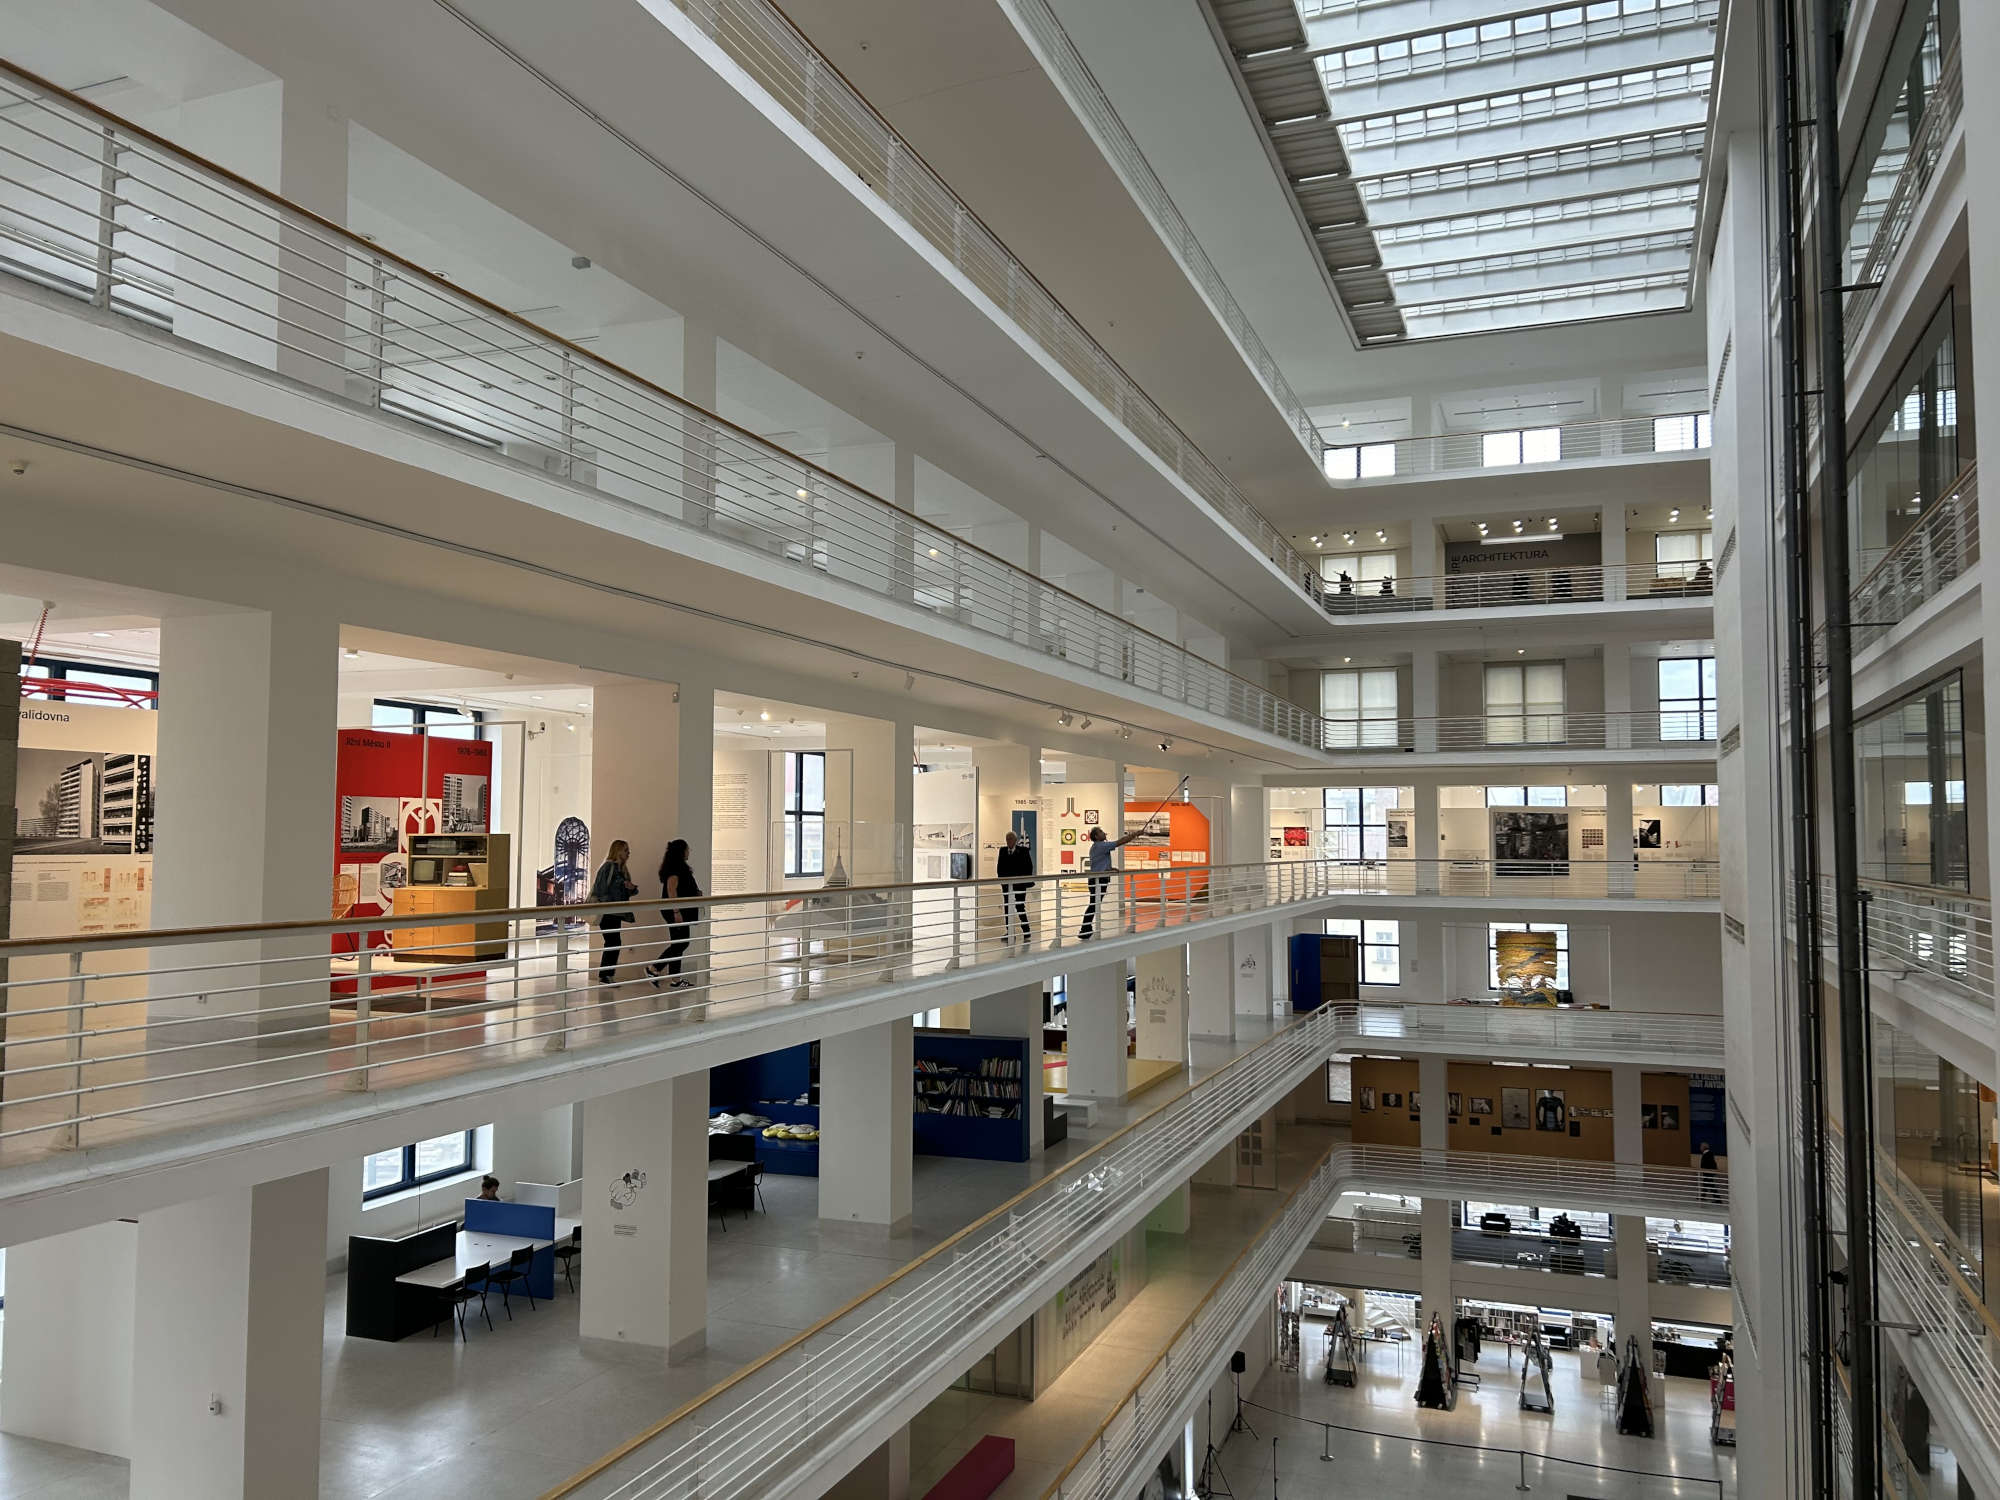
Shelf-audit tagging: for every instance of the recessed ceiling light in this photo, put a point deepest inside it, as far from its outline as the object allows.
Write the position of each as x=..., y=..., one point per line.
x=1674, y=514
x=1350, y=539
x=1517, y=525
x=570, y=727
x=1520, y=650
x=583, y=705
x=105, y=635
x=765, y=715
x=805, y=494
x=534, y=697
x=1552, y=523
x=1347, y=659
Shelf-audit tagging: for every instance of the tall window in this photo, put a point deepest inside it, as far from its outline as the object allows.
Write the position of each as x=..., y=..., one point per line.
x=1682, y=434
x=1493, y=931
x=1357, y=821
x=1360, y=708
x=1361, y=461
x=1527, y=796
x=1524, y=703
x=445, y=723
x=1381, y=946
x=1680, y=554
x=414, y=1165
x=1687, y=698
x=1531, y=445
x=805, y=812
x=1366, y=571
x=116, y=688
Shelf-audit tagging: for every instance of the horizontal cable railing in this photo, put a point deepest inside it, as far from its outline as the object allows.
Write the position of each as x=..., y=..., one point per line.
x=1061, y=56
x=1547, y=1032
x=776, y=1417
x=1941, y=548
x=1572, y=879
x=1574, y=442
x=1917, y=930
x=100, y=210
x=1941, y=113
x=1523, y=732
x=778, y=56
x=1591, y=583
x=1114, y=1461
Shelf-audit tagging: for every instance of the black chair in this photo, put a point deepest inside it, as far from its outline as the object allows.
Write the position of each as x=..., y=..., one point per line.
x=567, y=1253
x=516, y=1270
x=757, y=1185
x=476, y=1282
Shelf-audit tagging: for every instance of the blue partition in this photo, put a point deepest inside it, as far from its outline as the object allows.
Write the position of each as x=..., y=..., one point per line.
x=524, y=1221
x=766, y=1085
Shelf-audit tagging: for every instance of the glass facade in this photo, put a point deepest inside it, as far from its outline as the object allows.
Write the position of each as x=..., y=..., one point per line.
x=1910, y=777
x=1909, y=452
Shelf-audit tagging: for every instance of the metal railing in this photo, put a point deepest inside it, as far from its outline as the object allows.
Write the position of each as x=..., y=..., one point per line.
x=777, y=1417
x=1939, y=549
x=1592, y=583
x=1455, y=452
x=777, y=55
x=1573, y=879
x=1917, y=930
x=1114, y=1460
x=1506, y=1029
x=1920, y=163
x=1689, y=730
x=107, y=213
x=1066, y=65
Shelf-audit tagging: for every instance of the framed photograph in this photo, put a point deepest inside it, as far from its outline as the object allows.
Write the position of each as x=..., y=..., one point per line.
x=1649, y=1117
x=1549, y=1111
x=1392, y=1100
x=370, y=825
x=1530, y=841
x=1452, y=1102
x=1514, y=1109
x=1646, y=833
x=1364, y=1098
x=1670, y=1117
x=1481, y=1105
x=1416, y=1101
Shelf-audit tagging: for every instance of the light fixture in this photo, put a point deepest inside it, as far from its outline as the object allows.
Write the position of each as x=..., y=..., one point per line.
x=570, y=727
x=105, y=635
x=1674, y=514
x=1318, y=544
x=1065, y=718
x=584, y=706
x=1348, y=659
x=1552, y=523
x=1520, y=650
x=1517, y=525
x=933, y=552
x=765, y=715
x=805, y=494
x=1482, y=528
x=534, y=697
x=1086, y=722
x=1315, y=541
x=1381, y=536
x=1350, y=539
x=909, y=681
x=350, y=653
x=1125, y=732
x=1166, y=745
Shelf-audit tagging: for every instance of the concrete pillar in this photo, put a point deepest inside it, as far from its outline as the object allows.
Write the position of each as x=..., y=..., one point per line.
x=1160, y=1008
x=1097, y=1032
x=1212, y=987
x=1014, y=1013
x=1635, y=1297
x=68, y=1330
x=866, y=1085
x=903, y=495
x=645, y=1217
x=249, y=729
x=1424, y=568
x=635, y=793
x=698, y=387
x=1435, y=1276
x=1619, y=870
x=1424, y=835
x=312, y=275
x=882, y=1475
x=1433, y=1082
x=1251, y=970
x=1613, y=549
x=1618, y=729
x=226, y=1344
x=1628, y=1141
x=1424, y=698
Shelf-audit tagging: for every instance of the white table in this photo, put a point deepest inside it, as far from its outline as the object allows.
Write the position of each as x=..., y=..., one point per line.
x=472, y=1250
x=719, y=1170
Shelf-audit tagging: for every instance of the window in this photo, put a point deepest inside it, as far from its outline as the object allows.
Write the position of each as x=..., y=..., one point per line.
x=1682, y=434
x=1680, y=554
x=1366, y=571
x=1910, y=775
x=1493, y=931
x=1357, y=821
x=1340, y=1080
x=1360, y=709
x=1687, y=698
x=445, y=723
x=805, y=812
x=1524, y=704
x=1527, y=796
x=1381, y=946
x=1531, y=445
x=114, y=688
x=410, y=1166
x=1690, y=794
x=1361, y=461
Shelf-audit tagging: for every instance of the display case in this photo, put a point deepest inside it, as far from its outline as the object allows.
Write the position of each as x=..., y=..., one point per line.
x=454, y=876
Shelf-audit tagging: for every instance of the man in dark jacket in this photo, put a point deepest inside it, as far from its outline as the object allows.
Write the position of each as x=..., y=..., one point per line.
x=1015, y=859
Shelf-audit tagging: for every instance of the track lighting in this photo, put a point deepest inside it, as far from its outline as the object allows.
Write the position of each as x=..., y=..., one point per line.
x=1065, y=718
x=1166, y=745
x=1085, y=724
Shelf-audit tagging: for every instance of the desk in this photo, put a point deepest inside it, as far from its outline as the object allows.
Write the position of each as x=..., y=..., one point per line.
x=472, y=1250
x=731, y=1184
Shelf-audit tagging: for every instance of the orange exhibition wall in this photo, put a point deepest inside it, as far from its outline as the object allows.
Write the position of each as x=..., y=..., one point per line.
x=1185, y=843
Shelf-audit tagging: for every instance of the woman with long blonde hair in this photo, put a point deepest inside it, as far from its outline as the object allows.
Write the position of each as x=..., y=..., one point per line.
x=613, y=883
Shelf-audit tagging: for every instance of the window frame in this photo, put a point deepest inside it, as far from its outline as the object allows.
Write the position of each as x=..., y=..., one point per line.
x=796, y=815
x=408, y=1179
x=56, y=669
x=1343, y=840
x=1365, y=727
x=1689, y=432
x=1366, y=573
x=1370, y=949
x=1703, y=711
x=1352, y=461
x=423, y=714
x=1497, y=443
x=1684, y=568
x=1552, y=725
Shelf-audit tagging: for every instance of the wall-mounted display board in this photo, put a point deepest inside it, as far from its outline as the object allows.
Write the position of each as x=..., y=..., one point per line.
x=85, y=783
x=1180, y=840
x=389, y=786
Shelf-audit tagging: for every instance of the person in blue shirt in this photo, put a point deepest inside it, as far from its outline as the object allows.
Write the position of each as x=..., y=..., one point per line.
x=1101, y=871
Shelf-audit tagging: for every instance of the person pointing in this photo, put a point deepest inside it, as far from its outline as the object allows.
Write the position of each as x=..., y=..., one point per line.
x=1101, y=871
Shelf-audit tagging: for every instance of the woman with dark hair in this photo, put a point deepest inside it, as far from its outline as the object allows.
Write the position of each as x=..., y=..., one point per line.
x=677, y=883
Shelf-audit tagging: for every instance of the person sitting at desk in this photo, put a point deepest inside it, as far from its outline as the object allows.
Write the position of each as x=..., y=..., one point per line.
x=489, y=1190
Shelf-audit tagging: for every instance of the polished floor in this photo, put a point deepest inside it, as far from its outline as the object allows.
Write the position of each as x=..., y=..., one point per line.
x=1485, y=1445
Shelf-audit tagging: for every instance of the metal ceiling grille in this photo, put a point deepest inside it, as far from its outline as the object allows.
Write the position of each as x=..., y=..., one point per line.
x=1467, y=166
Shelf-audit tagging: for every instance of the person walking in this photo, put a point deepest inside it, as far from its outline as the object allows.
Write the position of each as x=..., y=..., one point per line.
x=1708, y=1166
x=1015, y=859
x=677, y=883
x=613, y=883
x=1101, y=871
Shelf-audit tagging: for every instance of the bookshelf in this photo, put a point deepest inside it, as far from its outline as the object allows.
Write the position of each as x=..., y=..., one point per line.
x=970, y=1096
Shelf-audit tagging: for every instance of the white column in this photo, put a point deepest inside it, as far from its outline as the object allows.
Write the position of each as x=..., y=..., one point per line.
x=1250, y=971
x=1424, y=697
x=1424, y=835
x=645, y=1217
x=228, y=1318
x=1433, y=1082
x=1097, y=1032
x=1160, y=1005
x=1618, y=833
x=313, y=289
x=698, y=386
x=635, y=782
x=68, y=1331
x=1635, y=1295
x=1212, y=987
x=1011, y=1013
x=1277, y=942
x=1613, y=549
x=1628, y=1141
x=1423, y=562
x=243, y=834
x=882, y=1475
x=866, y=1089
x=694, y=796
x=1618, y=733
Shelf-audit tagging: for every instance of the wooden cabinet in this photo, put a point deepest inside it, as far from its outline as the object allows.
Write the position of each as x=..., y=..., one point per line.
x=449, y=941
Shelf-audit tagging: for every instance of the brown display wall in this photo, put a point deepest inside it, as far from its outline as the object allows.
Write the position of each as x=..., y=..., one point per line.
x=1583, y=1134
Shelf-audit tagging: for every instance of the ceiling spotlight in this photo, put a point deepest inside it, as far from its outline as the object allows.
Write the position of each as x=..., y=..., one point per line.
x=1350, y=539
x=765, y=715
x=1517, y=525
x=1552, y=523
x=1520, y=650
x=105, y=635
x=1482, y=528
x=584, y=706
x=1381, y=536
x=1166, y=745
x=1674, y=514
x=1065, y=718
x=534, y=697
x=1318, y=544
x=933, y=552
x=1315, y=541
x=1086, y=722
x=570, y=727
x=805, y=494
x=1125, y=733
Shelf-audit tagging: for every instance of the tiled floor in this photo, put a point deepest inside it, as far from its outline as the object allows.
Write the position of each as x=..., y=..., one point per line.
x=1289, y=1406
x=506, y=1414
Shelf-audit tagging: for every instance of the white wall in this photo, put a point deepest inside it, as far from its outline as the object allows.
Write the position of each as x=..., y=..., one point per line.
x=66, y=1341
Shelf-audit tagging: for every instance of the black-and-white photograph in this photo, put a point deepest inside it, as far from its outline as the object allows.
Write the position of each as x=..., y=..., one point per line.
x=1392, y=1101
x=83, y=802
x=1646, y=833
x=370, y=825
x=1514, y=1109
x=1670, y=1117
x=1649, y=1117
x=465, y=809
x=1452, y=1101
x=1365, y=1097
x=1549, y=1111
x=1481, y=1105
x=1530, y=841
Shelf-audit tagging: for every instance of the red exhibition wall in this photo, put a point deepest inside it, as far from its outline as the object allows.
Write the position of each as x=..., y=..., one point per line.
x=388, y=785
